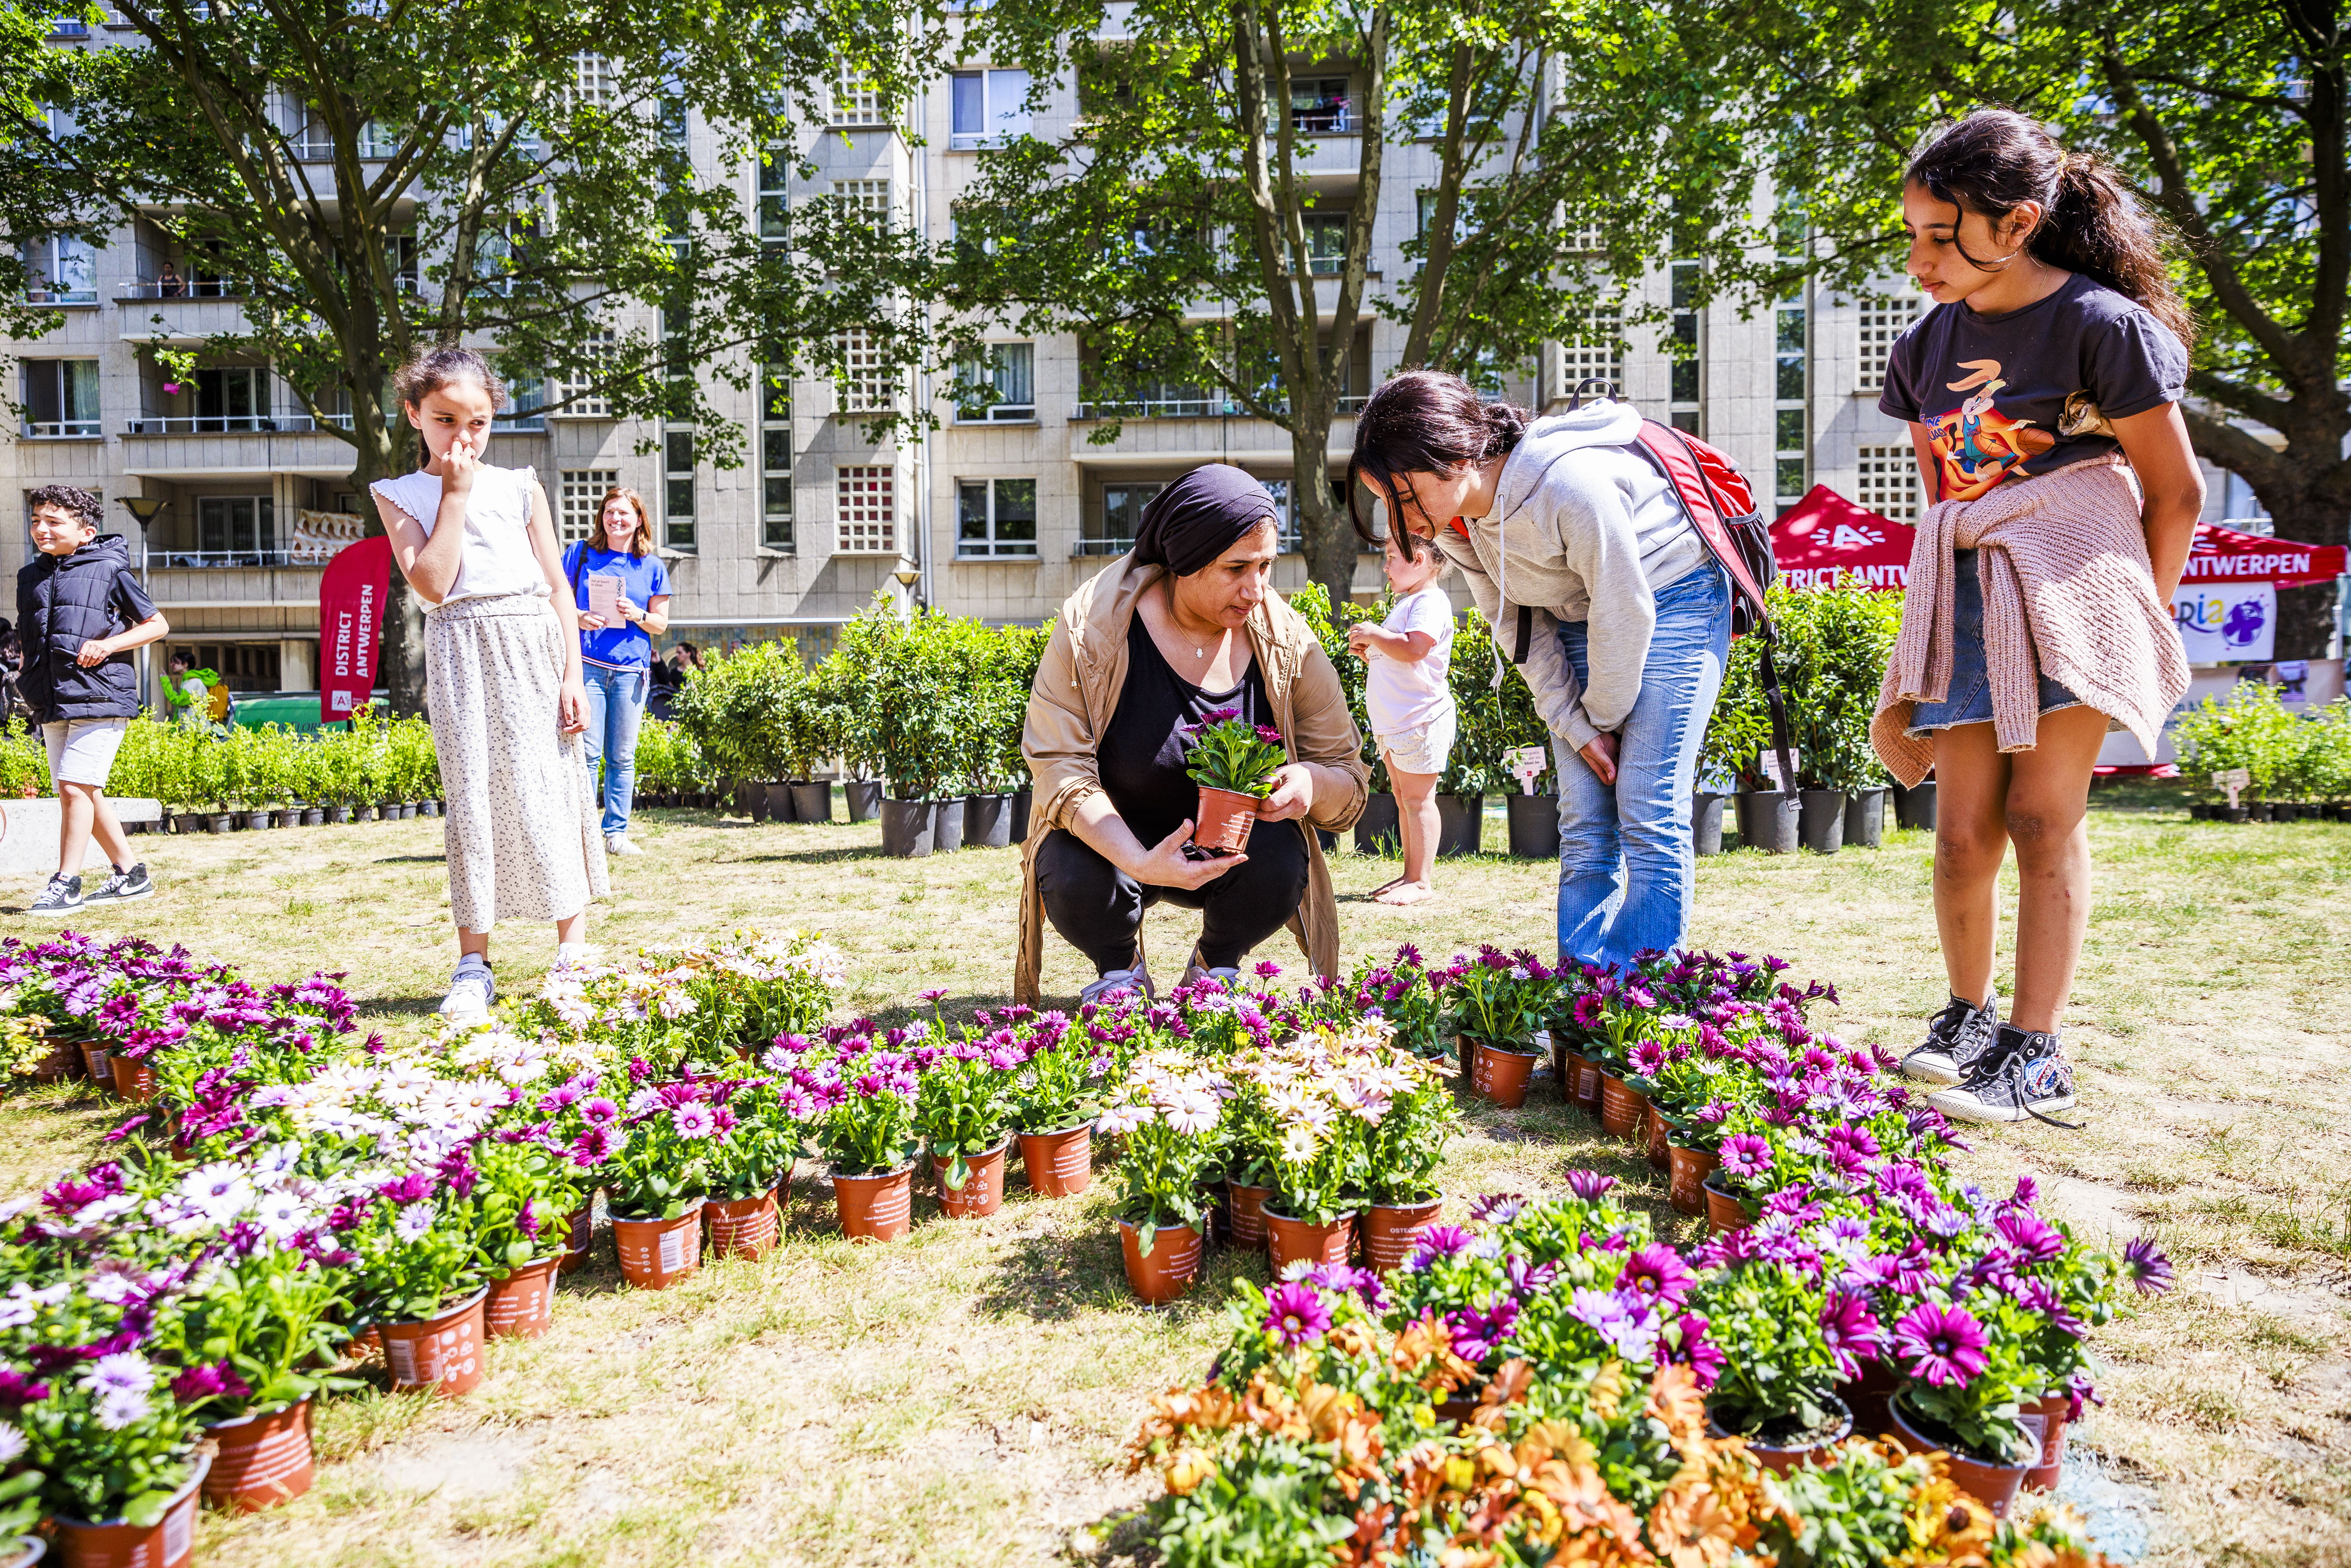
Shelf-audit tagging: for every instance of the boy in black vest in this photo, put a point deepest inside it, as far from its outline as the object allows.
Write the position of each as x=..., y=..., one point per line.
x=80, y=610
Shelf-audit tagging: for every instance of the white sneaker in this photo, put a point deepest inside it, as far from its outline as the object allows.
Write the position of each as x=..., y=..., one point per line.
x=569, y=953
x=619, y=844
x=1135, y=980
x=471, y=992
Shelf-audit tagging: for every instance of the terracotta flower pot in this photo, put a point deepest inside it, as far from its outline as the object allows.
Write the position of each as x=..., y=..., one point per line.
x=1501, y=1075
x=1390, y=1230
x=1725, y=1210
x=1659, y=1150
x=657, y=1253
x=522, y=1305
x=1246, y=1206
x=1291, y=1240
x=440, y=1355
x=1621, y=1107
x=578, y=1231
x=982, y=1192
x=1225, y=819
x=262, y=1460
x=1585, y=1090
x=1868, y=1395
x=1059, y=1165
x=1780, y=1461
x=98, y=1060
x=1685, y=1172
x=746, y=1226
x=875, y=1208
x=2045, y=1418
x=169, y=1542
x=54, y=1068
x=133, y=1081
x=1993, y=1485
x=1173, y=1264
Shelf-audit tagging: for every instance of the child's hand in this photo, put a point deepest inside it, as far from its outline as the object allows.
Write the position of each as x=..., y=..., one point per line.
x=93, y=652
x=1359, y=639
x=461, y=463
x=571, y=708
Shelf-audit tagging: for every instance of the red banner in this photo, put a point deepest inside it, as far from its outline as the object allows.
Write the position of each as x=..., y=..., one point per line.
x=1824, y=534
x=352, y=591
x=2224, y=555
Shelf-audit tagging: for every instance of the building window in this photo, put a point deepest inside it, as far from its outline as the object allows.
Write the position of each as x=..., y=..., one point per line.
x=776, y=458
x=775, y=195
x=856, y=100
x=1791, y=443
x=237, y=530
x=579, y=396
x=1326, y=242
x=991, y=108
x=866, y=384
x=1886, y=482
x=593, y=81
x=1598, y=351
x=1321, y=105
x=677, y=486
x=61, y=397
x=1112, y=530
x=583, y=498
x=1883, y=317
x=233, y=397
x=1001, y=387
x=870, y=199
x=525, y=408
x=996, y=519
x=865, y=515
x=60, y=270
x=1686, y=401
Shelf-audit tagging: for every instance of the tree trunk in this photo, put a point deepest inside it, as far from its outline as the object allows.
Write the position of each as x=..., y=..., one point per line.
x=2306, y=628
x=1328, y=534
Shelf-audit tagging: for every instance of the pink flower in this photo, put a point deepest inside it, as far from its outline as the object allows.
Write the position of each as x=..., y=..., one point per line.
x=1851, y=1330
x=1745, y=1154
x=1656, y=1274
x=1297, y=1312
x=1945, y=1344
x=692, y=1120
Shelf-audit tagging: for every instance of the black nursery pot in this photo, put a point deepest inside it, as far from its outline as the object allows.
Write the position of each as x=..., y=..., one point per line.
x=988, y=821
x=1820, y=821
x=1769, y=820
x=864, y=797
x=1915, y=807
x=1534, y=827
x=1706, y=823
x=811, y=801
x=907, y=828
x=947, y=832
x=1376, y=830
x=1864, y=819
x=1460, y=819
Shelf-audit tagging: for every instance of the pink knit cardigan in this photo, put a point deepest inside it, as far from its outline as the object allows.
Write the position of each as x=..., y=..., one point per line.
x=2068, y=592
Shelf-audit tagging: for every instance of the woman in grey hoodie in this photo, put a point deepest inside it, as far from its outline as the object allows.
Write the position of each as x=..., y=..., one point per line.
x=1601, y=592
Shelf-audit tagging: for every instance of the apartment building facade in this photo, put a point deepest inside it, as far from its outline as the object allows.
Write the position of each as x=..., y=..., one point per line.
x=997, y=513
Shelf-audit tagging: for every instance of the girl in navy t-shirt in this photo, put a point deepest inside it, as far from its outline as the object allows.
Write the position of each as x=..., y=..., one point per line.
x=616, y=650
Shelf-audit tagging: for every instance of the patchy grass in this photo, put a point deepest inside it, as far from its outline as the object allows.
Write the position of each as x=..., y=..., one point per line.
x=962, y=1397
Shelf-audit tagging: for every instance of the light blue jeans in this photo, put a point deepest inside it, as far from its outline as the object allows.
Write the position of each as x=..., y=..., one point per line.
x=616, y=703
x=1627, y=871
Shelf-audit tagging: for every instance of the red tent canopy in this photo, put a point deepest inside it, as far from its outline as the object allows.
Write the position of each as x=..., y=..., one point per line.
x=2224, y=555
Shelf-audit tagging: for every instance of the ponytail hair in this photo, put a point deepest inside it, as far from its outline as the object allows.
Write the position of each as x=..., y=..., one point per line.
x=429, y=370
x=1423, y=421
x=1995, y=159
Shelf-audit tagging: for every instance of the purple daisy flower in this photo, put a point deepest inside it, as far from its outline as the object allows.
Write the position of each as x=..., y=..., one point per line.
x=1437, y=1241
x=1655, y=1274
x=2030, y=1237
x=1945, y=1345
x=1744, y=1154
x=1851, y=1330
x=1684, y=1343
x=1589, y=1186
x=1628, y=1327
x=1647, y=1057
x=1497, y=1208
x=2149, y=1270
x=1296, y=1311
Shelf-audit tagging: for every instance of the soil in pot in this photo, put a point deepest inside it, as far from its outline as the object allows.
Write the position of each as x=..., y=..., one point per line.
x=1390, y=1230
x=1686, y=1173
x=1534, y=827
x=1291, y=1240
x=1659, y=1152
x=1992, y=1484
x=875, y=1208
x=657, y=1253
x=577, y=1229
x=1501, y=1075
x=133, y=1081
x=169, y=1542
x=1059, y=1165
x=1724, y=1209
x=1623, y=1108
x=1783, y=1443
x=1245, y=1210
x=1225, y=819
x=1460, y=824
x=261, y=1460
x=522, y=1305
x=1170, y=1267
x=1376, y=830
x=441, y=1354
x=982, y=1192
x=745, y=1227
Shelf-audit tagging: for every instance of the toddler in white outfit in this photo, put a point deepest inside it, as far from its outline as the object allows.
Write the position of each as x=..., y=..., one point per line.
x=1410, y=703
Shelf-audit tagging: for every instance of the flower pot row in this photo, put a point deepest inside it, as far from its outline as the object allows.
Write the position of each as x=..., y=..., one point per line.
x=2269, y=812
x=1382, y=1234
x=1780, y=821
x=912, y=829
x=247, y=819
x=1460, y=822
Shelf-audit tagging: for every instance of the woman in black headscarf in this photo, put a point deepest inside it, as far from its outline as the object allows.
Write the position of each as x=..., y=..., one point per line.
x=1185, y=625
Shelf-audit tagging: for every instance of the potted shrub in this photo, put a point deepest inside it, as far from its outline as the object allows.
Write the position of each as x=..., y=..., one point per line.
x=1498, y=1001
x=1233, y=762
x=1777, y=1387
x=1473, y=769
x=1167, y=1116
x=659, y=1179
x=867, y=1130
x=1404, y=1147
x=914, y=729
x=751, y=1165
x=962, y=1112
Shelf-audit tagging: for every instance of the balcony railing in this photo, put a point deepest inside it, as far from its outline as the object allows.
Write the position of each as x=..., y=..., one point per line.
x=61, y=296
x=218, y=558
x=1326, y=117
x=235, y=425
x=182, y=288
x=1203, y=408
x=38, y=429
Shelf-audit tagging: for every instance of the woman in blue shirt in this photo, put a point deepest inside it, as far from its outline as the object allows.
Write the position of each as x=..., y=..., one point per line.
x=616, y=650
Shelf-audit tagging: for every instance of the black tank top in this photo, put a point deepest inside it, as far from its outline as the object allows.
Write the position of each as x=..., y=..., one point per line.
x=1140, y=759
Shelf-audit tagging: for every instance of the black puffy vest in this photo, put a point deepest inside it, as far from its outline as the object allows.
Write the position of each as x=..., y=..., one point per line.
x=63, y=601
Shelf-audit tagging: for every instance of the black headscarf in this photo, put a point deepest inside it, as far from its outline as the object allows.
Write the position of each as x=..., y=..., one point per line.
x=1193, y=521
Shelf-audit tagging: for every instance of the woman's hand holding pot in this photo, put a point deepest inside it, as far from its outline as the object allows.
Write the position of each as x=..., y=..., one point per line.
x=1292, y=795
x=1166, y=864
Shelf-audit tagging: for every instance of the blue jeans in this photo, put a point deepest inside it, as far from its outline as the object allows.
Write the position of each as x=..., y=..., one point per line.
x=616, y=703
x=1627, y=870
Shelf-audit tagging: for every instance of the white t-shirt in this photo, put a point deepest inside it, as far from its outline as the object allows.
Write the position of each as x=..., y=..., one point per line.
x=1405, y=696
x=498, y=558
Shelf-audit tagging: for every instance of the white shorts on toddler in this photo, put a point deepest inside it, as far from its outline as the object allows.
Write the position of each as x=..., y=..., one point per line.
x=1421, y=751
x=82, y=750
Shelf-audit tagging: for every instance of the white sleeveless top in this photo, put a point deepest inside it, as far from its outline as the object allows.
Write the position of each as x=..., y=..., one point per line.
x=497, y=558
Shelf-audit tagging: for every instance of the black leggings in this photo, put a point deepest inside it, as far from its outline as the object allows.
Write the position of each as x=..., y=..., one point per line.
x=1097, y=908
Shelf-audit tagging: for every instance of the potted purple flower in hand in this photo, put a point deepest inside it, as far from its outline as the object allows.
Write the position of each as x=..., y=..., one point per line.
x=1233, y=762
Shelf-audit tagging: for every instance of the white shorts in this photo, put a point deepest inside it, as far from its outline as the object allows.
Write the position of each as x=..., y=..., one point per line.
x=1421, y=751
x=82, y=750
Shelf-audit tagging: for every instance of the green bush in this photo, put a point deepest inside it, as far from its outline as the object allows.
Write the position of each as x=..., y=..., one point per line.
x=1331, y=625
x=733, y=709
x=2249, y=728
x=2322, y=769
x=24, y=762
x=1482, y=728
x=1833, y=648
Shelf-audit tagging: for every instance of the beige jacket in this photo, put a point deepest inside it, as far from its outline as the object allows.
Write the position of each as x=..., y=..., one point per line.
x=1076, y=691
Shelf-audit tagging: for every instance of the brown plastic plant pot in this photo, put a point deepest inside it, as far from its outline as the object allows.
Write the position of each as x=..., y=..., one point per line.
x=522, y=1305
x=1059, y=1165
x=1660, y=1147
x=1686, y=1173
x=658, y=1253
x=1391, y=1229
x=1585, y=1091
x=982, y=1193
x=133, y=1081
x=1780, y=1461
x=1225, y=819
x=1725, y=1211
x=577, y=1230
x=55, y=1068
x=1499, y=1074
x=875, y=1208
x=1993, y=1485
x=1246, y=1206
x=98, y=1060
x=262, y=1460
x=746, y=1226
x=169, y=1542
x=1869, y=1395
x=440, y=1355
x=1291, y=1240
x=2045, y=1418
x=1170, y=1267
x=1621, y=1107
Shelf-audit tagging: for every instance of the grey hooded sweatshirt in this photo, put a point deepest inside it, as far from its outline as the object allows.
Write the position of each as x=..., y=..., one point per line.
x=1582, y=529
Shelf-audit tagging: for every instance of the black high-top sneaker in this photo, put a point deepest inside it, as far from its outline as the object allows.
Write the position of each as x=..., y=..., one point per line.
x=2020, y=1076
x=1956, y=1039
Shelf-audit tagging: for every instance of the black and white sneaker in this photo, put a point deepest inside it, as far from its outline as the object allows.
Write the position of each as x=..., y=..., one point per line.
x=2020, y=1076
x=62, y=893
x=1956, y=1039
x=126, y=885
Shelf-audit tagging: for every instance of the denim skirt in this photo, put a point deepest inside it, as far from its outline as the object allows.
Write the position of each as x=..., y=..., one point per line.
x=1968, y=700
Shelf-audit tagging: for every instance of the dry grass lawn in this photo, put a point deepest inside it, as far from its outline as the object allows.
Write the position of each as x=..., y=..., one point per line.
x=961, y=1399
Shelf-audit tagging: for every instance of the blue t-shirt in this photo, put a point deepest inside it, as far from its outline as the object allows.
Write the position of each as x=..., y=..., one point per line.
x=624, y=646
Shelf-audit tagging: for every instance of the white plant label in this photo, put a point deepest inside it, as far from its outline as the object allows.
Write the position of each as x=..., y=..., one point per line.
x=1527, y=765
x=2233, y=779
x=1770, y=767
